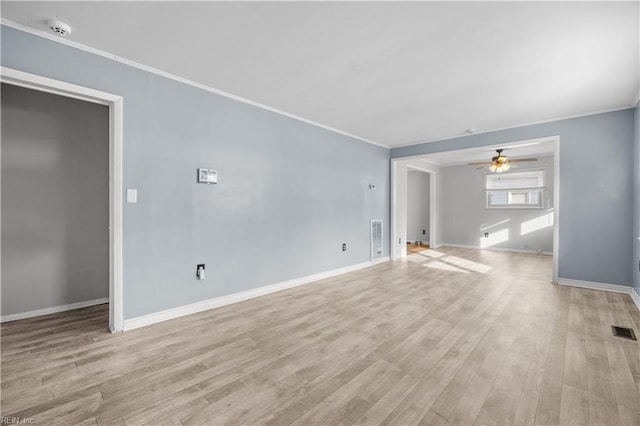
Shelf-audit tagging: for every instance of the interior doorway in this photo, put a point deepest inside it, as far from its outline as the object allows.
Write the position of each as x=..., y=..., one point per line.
x=418, y=210
x=400, y=170
x=454, y=175
x=60, y=202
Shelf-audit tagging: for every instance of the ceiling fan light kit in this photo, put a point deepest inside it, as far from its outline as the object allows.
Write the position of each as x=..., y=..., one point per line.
x=500, y=163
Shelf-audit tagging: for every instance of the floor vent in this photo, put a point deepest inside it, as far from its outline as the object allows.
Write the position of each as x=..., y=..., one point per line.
x=625, y=333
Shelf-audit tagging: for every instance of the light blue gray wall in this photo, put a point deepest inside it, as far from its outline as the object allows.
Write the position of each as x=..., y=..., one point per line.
x=55, y=200
x=635, y=267
x=289, y=193
x=596, y=201
x=418, y=205
x=467, y=218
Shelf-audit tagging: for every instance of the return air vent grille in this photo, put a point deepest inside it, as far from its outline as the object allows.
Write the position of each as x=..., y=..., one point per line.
x=376, y=239
x=625, y=333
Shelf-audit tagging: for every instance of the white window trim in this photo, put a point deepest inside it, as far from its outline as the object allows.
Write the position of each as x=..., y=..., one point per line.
x=514, y=206
x=537, y=169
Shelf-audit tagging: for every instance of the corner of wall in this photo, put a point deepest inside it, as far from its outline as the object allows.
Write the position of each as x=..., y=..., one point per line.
x=636, y=199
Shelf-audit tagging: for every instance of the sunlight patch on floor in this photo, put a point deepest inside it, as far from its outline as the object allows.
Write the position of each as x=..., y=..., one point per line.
x=416, y=257
x=435, y=254
x=467, y=264
x=436, y=264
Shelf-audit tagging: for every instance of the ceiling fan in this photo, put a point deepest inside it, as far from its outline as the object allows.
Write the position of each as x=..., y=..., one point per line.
x=500, y=163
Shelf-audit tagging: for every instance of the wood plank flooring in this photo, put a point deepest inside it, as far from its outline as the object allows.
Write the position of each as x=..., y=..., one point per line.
x=447, y=336
x=414, y=248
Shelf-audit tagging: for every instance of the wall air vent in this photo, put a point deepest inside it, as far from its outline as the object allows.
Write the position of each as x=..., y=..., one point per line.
x=376, y=239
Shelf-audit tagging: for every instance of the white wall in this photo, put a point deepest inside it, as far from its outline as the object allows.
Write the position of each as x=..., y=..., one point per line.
x=55, y=201
x=467, y=218
x=418, y=206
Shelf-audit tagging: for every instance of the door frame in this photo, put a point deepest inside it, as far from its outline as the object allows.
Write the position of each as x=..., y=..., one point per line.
x=432, y=202
x=401, y=166
x=115, y=105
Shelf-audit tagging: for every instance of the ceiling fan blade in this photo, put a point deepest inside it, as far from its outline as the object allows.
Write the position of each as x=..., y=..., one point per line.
x=488, y=163
x=481, y=167
x=522, y=160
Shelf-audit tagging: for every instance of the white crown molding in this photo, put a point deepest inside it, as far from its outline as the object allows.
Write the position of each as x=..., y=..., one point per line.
x=156, y=317
x=146, y=68
x=534, y=123
x=53, y=310
x=503, y=249
x=613, y=288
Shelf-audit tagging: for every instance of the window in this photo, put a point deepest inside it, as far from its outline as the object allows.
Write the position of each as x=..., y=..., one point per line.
x=513, y=190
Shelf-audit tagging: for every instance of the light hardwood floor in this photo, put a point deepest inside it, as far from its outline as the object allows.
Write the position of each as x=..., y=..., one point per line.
x=448, y=336
x=414, y=248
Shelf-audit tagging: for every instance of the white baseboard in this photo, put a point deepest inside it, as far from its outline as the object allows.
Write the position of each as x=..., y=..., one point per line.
x=635, y=296
x=156, y=317
x=510, y=250
x=595, y=286
x=603, y=287
x=53, y=310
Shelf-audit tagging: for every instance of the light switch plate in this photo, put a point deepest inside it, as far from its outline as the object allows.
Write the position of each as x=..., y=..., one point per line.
x=132, y=195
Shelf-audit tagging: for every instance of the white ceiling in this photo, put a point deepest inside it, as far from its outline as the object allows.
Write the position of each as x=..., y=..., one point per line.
x=395, y=73
x=534, y=148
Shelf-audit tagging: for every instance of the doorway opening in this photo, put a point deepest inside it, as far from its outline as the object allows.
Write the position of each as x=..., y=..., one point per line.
x=60, y=167
x=426, y=219
x=418, y=210
x=466, y=211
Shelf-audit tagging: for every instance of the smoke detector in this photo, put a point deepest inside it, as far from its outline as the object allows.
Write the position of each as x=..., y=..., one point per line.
x=59, y=27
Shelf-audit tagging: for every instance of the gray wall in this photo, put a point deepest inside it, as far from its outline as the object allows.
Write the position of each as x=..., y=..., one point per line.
x=467, y=218
x=596, y=206
x=55, y=200
x=635, y=267
x=289, y=193
x=418, y=205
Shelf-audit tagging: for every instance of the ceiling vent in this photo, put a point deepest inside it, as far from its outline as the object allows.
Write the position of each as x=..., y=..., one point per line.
x=59, y=27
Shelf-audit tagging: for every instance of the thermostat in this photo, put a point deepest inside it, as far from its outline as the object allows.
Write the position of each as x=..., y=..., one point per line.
x=207, y=176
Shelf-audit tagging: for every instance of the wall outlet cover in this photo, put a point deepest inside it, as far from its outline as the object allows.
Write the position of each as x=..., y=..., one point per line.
x=132, y=195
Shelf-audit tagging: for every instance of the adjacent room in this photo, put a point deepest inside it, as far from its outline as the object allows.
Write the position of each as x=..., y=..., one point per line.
x=481, y=206
x=319, y=213
x=55, y=206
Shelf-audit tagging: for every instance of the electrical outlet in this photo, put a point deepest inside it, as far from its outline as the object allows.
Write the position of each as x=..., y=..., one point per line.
x=200, y=272
x=424, y=232
x=486, y=235
x=344, y=246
